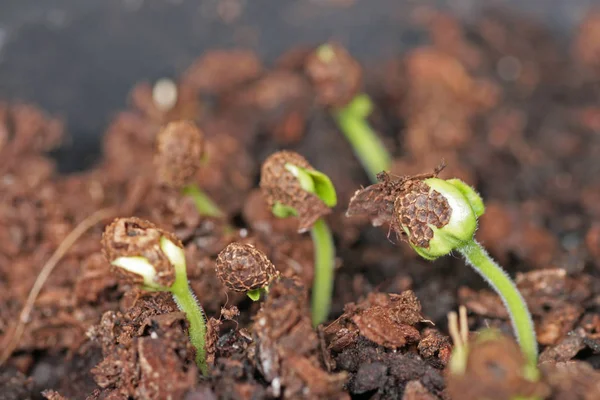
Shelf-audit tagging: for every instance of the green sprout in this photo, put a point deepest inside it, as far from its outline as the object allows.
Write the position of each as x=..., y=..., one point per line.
x=153, y=258
x=292, y=187
x=179, y=155
x=352, y=121
x=337, y=77
x=438, y=217
x=243, y=268
x=489, y=348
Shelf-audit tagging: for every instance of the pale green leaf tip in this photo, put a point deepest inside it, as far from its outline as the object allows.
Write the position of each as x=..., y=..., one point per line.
x=325, y=53
x=282, y=211
x=139, y=266
x=315, y=182
x=174, y=253
x=254, y=294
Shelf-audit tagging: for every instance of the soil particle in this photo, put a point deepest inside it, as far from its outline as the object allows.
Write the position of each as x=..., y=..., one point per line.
x=15, y=385
x=180, y=146
x=228, y=173
x=416, y=391
x=336, y=76
x=557, y=323
x=218, y=71
x=435, y=348
x=25, y=129
x=566, y=349
x=287, y=346
x=572, y=380
x=53, y=395
x=146, y=351
x=401, y=369
x=281, y=186
x=586, y=47
x=278, y=103
x=386, y=319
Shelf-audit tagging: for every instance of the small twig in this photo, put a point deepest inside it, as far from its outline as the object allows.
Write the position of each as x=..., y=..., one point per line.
x=45, y=272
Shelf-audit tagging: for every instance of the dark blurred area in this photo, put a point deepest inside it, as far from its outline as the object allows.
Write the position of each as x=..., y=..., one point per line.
x=79, y=58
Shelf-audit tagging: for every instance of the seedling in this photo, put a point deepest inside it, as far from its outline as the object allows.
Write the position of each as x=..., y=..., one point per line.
x=154, y=259
x=243, y=268
x=337, y=77
x=292, y=187
x=489, y=362
x=440, y=216
x=179, y=153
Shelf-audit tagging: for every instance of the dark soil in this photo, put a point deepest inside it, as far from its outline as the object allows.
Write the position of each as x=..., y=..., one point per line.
x=511, y=109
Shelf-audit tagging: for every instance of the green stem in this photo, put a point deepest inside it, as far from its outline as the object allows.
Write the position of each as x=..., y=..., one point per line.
x=520, y=318
x=366, y=144
x=203, y=203
x=322, y=289
x=185, y=299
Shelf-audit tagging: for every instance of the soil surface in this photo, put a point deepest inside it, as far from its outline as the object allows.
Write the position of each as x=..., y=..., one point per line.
x=513, y=111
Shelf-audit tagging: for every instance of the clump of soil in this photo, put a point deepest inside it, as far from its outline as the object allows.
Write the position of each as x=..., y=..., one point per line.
x=509, y=107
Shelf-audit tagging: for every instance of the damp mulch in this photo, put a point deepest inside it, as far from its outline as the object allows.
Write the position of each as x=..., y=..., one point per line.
x=511, y=110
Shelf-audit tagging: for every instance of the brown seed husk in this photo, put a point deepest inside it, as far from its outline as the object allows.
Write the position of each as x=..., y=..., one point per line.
x=179, y=150
x=135, y=237
x=381, y=201
x=420, y=207
x=242, y=267
x=280, y=185
x=337, y=78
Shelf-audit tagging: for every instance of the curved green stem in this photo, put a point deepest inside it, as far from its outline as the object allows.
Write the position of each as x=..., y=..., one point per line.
x=520, y=317
x=185, y=299
x=366, y=144
x=204, y=204
x=322, y=289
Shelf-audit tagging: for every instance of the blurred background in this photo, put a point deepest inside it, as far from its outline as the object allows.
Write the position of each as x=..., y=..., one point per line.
x=79, y=58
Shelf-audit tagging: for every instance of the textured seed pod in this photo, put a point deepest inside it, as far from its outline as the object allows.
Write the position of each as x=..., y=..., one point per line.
x=279, y=185
x=242, y=268
x=337, y=76
x=135, y=237
x=179, y=150
x=417, y=209
x=438, y=215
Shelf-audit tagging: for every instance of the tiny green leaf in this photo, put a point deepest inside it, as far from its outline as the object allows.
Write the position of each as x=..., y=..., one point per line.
x=316, y=182
x=254, y=294
x=306, y=181
x=325, y=53
x=282, y=211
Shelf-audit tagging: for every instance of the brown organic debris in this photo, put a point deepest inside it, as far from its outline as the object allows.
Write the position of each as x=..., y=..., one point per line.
x=287, y=347
x=385, y=319
x=242, y=267
x=382, y=201
x=179, y=150
x=337, y=76
x=279, y=185
x=135, y=237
